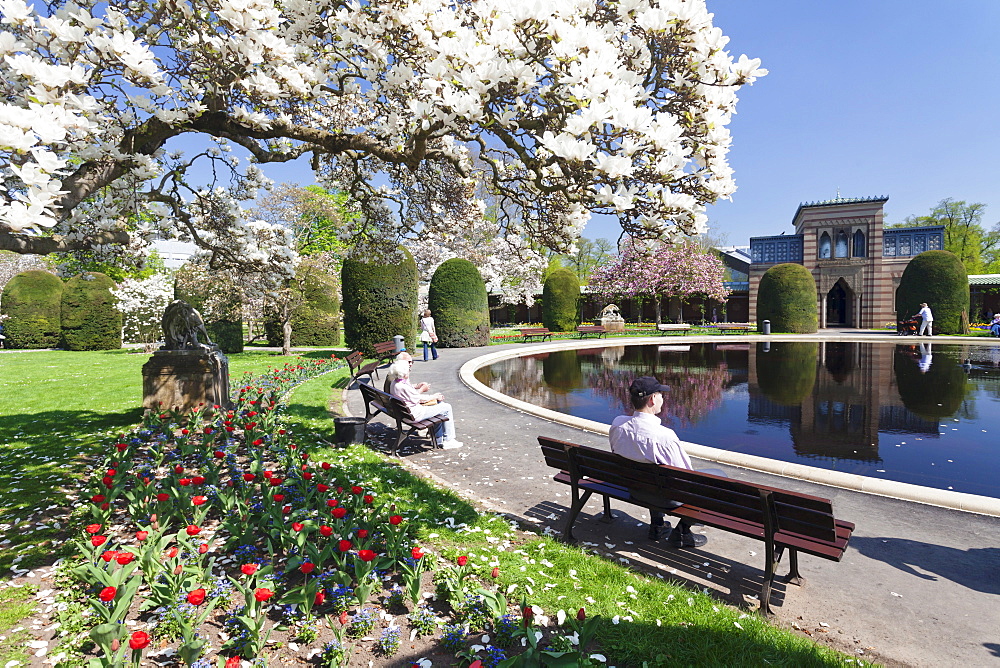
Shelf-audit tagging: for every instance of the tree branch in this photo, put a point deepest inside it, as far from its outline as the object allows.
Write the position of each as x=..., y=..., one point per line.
x=30, y=245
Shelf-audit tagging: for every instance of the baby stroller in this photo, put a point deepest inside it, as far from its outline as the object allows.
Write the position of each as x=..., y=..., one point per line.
x=906, y=327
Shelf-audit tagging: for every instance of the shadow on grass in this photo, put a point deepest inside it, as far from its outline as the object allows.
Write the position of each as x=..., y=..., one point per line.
x=43, y=459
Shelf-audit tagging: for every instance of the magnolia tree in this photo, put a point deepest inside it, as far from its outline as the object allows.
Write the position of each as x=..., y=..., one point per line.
x=682, y=270
x=576, y=106
x=142, y=303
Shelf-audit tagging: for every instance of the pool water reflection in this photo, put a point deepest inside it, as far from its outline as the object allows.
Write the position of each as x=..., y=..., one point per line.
x=913, y=413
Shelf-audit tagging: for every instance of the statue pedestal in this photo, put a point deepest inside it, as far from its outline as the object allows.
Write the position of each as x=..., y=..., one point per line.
x=185, y=379
x=613, y=324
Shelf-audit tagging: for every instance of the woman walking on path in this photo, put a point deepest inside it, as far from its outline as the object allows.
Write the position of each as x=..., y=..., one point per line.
x=428, y=336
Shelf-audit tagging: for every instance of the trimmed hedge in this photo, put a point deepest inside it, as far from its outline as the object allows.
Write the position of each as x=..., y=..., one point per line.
x=227, y=333
x=90, y=320
x=786, y=374
x=787, y=297
x=380, y=301
x=459, y=304
x=316, y=321
x=938, y=278
x=33, y=300
x=560, y=301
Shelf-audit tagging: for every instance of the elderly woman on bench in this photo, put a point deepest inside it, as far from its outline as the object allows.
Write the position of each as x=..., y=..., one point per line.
x=423, y=404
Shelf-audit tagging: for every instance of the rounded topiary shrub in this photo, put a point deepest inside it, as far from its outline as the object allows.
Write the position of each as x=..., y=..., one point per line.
x=931, y=382
x=316, y=318
x=459, y=304
x=938, y=278
x=787, y=297
x=33, y=302
x=786, y=373
x=560, y=297
x=90, y=320
x=380, y=301
x=219, y=303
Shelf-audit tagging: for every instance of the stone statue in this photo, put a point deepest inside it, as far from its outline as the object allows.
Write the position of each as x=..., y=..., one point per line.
x=182, y=327
x=189, y=371
x=611, y=318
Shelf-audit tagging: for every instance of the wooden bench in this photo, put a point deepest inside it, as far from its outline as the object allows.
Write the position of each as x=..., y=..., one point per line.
x=683, y=328
x=541, y=332
x=742, y=328
x=356, y=362
x=385, y=350
x=377, y=401
x=782, y=519
x=584, y=330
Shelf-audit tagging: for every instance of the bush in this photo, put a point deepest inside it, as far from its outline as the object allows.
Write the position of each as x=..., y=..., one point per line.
x=218, y=301
x=316, y=319
x=560, y=298
x=90, y=318
x=787, y=297
x=458, y=301
x=380, y=301
x=33, y=302
x=786, y=373
x=938, y=278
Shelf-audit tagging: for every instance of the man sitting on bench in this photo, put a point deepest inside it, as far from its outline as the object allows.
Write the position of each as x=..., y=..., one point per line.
x=643, y=437
x=423, y=405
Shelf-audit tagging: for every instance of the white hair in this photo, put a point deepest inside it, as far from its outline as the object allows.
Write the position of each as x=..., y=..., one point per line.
x=400, y=369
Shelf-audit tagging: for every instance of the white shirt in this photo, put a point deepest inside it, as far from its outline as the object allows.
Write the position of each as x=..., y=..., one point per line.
x=643, y=438
x=926, y=315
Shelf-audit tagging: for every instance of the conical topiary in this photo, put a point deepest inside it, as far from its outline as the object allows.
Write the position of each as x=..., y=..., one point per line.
x=458, y=301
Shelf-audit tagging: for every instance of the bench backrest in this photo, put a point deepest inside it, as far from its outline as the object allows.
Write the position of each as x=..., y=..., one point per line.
x=355, y=359
x=384, y=347
x=790, y=511
x=392, y=406
x=534, y=330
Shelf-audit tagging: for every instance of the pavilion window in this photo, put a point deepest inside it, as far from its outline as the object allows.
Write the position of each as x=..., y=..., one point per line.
x=824, y=247
x=841, y=248
x=860, y=244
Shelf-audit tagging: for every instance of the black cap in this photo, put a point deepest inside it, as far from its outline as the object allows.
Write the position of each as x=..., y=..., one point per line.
x=644, y=386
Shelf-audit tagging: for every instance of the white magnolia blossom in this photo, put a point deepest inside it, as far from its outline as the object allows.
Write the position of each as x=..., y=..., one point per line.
x=141, y=303
x=577, y=106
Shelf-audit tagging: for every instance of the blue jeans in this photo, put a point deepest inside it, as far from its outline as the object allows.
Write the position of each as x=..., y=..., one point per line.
x=995, y=330
x=433, y=348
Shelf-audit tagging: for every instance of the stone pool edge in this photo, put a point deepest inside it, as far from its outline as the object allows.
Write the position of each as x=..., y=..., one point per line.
x=974, y=503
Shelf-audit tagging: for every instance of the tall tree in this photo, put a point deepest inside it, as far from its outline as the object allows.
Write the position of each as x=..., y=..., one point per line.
x=964, y=234
x=599, y=106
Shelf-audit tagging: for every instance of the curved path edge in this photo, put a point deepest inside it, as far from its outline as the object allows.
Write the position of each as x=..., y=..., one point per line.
x=898, y=490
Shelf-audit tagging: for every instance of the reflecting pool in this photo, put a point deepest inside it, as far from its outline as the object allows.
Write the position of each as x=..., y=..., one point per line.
x=926, y=414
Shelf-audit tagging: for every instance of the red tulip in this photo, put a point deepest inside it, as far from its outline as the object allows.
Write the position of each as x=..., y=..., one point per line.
x=344, y=545
x=320, y=597
x=161, y=497
x=325, y=531
x=108, y=555
x=495, y=573
x=369, y=498
x=286, y=509
x=581, y=615
x=268, y=474
x=278, y=498
x=356, y=490
x=108, y=594
x=233, y=662
x=332, y=503
x=339, y=513
x=97, y=541
x=527, y=613
x=342, y=618
x=219, y=454
x=321, y=488
x=193, y=530
x=98, y=498
x=366, y=555
x=307, y=567
x=395, y=520
x=184, y=482
x=171, y=553
x=417, y=553
x=362, y=533
x=463, y=560
x=276, y=481
x=298, y=526
x=249, y=477
x=197, y=597
x=263, y=594
x=325, y=466
x=124, y=558
x=139, y=640
x=307, y=475
x=141, y=535
x=178, y=469
x=199, y=500
x=198, y=480
x=249, y=569
x=93, y=528
x=203, y=548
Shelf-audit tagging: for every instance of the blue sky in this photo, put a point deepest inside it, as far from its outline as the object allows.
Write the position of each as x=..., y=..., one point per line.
x=874, y=97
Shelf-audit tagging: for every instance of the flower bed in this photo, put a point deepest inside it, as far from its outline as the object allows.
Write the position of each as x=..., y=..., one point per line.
x=216, y=539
